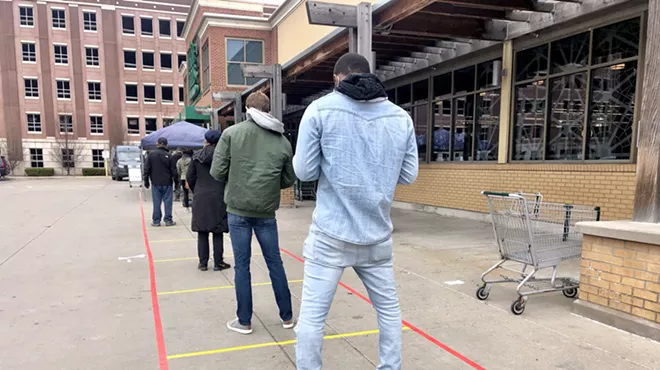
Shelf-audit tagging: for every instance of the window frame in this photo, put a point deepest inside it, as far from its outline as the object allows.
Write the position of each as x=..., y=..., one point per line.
x=144, y=93
x=162, y=95
x=97, y=158
x=183, y=27
x=68, y=125
x=134, y=67
x=95, y=60
x=142, y=32
x=169, y=28
x=153, y=60
x=36, y=156
x=155, y=122
x=96, y=124
x=31, y=54
x=65, y=89
x=133, y=132
x=32, y=125
x=89, y=25
x=92, y=94
x=160, y=58
x=62, y=57
x=588, y=70
x=179, y=61
x=182, y=96
x=27, y=18
x=227, y=62
x=137, y=92
x=59, y=21
x=123, y=29
x=32, y=88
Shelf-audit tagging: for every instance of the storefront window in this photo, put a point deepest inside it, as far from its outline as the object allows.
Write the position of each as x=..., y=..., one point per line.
x=584, y=109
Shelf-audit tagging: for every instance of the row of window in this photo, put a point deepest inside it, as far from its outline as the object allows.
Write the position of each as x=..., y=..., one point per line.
x=58, y=20
x=37, y=158
x=61, y=56
x=150, y=124
x=149, y=93
x=62, y=88
x=34, y=123
x=574, y=99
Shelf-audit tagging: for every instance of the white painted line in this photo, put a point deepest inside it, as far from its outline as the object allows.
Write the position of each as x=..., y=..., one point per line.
x=455, y=282
x=129, y=259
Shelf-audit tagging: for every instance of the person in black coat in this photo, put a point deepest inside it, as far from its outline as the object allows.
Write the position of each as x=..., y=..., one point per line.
x=209, y=212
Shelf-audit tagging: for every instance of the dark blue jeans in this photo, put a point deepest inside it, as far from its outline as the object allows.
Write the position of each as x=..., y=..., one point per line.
x=240, y=231
x=161, y=194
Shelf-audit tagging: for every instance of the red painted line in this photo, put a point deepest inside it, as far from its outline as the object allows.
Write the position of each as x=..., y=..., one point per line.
x=160, y=340
x=417, y=330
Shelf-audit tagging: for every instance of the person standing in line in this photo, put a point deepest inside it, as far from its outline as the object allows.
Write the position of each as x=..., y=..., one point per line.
x=176, y=155
x=359, y=146
x=254, y=158
x=182, y=169
x=160, y=171
x=209, y=215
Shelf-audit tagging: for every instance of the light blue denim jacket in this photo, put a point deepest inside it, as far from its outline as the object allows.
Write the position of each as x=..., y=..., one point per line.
x=359, y=151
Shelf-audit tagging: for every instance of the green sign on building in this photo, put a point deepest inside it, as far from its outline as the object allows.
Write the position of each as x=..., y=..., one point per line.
x=193, y=72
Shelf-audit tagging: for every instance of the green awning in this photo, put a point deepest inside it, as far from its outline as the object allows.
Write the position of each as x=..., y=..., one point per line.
x=189, y=114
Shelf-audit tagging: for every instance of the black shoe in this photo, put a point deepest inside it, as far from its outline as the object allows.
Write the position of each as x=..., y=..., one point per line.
x=170, y=223
x=221, y=266
x=202, y=267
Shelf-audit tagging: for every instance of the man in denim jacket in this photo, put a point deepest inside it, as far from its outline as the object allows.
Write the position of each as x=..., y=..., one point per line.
x=359, y=146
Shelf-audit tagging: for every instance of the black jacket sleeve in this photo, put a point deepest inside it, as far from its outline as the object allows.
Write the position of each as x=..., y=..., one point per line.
x=191, y=176
x=147, y=168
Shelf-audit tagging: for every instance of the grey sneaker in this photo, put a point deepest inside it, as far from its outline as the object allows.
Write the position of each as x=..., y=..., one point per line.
x=155, y=224
x=170, y=223
x=236, y=326
x=288, y=324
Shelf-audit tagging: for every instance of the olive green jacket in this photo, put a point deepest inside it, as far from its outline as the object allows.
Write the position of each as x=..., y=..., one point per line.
x=256, y=163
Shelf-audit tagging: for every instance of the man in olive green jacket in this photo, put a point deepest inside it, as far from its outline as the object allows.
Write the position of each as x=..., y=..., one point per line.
x=255, y=160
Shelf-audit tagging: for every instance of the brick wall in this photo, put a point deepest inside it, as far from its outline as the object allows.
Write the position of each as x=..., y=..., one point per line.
x=621, y=275
x=286, y=198
x=459, y=186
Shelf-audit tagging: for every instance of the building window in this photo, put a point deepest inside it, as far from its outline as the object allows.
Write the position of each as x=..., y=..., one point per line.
x=127, y=25
x=167, y=94
x=61, y=53
x=130, y=59
x=36, y=157
x=133, y=125
x=92, y=56
x=29, y=52
x=179, y=28
x=59, y=18
x=164, y=28
x=96, y=125
x=206, y=72
x=148, y=60
x=181, y=96
x=167, y=121
x=31, y=87
x=63, y=89
x=166, y=61
x=146, y=26
x=572, y=104
x=94, y=90
x=131, y=93
x=27, y=16
x=97, y=158
x=242, y=52
x=34, y=122
x=150, y=125
x=149, y=93
x=68, y=160
x=180, y=59
x=89, y=21
x=66, y=123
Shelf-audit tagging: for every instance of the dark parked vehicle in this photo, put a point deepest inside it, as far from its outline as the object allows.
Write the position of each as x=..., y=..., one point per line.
x=123, y=157
x=4, y=167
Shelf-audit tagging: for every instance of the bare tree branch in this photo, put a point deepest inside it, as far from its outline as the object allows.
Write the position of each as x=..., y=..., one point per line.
x=13, y=152
x=67, y=153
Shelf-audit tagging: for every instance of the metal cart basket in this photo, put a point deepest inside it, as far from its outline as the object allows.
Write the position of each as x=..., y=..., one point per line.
x=536, y=234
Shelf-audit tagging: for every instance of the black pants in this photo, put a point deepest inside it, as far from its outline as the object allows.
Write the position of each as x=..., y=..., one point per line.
x=186, y=199
x=177, y=189
x=203, y=247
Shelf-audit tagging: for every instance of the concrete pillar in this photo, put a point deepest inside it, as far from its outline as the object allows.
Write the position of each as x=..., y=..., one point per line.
x=506, y=101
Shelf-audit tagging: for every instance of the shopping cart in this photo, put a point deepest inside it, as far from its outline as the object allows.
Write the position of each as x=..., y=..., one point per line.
x=536, y=234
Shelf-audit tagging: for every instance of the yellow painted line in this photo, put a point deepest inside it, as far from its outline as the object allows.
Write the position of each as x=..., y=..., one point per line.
x=171, y=240
x=196, y=258
x=270, y=344
x=217, y=288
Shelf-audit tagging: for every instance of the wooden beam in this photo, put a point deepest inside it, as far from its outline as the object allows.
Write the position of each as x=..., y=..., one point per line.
x=364, y=33
x=328, y=14
x=464, y=11
x=493, y=4
x=337, y=45
x=647, y=190
x=442, y=26
x=399, y=11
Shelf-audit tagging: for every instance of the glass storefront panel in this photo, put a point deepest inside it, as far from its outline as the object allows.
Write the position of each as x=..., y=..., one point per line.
x=529, y=121
x=568, y=98
x=487, y=125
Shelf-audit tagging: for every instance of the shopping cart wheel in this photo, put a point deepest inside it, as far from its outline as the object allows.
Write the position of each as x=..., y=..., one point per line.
x=518, y=306
x=482, y=293
x=570, y=292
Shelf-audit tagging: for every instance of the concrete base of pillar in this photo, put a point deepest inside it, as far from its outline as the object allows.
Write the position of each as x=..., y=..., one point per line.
x=617, y=319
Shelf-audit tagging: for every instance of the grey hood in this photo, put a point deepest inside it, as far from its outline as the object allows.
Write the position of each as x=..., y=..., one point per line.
x=265, y=120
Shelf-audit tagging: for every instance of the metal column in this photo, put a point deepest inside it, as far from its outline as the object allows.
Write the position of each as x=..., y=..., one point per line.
x=274, y=74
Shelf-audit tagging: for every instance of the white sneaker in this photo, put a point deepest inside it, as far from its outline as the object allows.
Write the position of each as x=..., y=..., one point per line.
x=236, y=326
x=288, y=324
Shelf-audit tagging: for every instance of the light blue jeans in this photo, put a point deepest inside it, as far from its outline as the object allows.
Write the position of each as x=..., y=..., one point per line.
x=325, y=260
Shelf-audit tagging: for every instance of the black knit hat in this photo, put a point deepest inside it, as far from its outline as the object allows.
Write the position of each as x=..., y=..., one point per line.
x=212, y=136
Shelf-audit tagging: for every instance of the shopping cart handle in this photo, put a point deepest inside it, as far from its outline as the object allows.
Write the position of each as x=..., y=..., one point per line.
x=495, y=193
